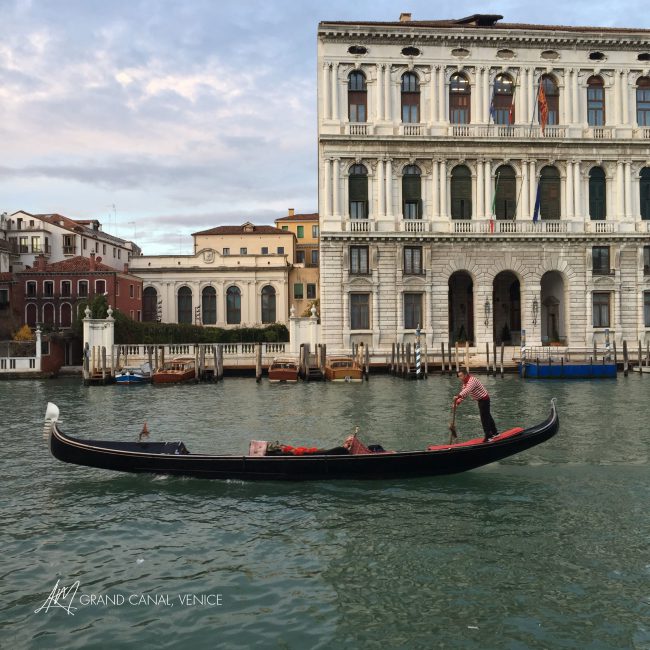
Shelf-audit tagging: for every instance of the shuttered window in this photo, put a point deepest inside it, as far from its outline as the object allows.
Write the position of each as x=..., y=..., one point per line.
x=357, y=97
x=410, y=98
x=358, y=190
x=601, y=315
x=460, y=97
x=644, y=187
x=412, y=192
x=597, y=196
x=412, y=310
x=595, y=102
x=503, y=109
x=185, y=305
x=413, y=260
x=505, y=200
x=643, y=101
x=359, y=260
x=359, y=311
x=550, y=193
x=461, y=193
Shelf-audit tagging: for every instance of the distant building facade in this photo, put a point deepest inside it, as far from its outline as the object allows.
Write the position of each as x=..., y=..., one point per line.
x=238, y=276
x=304, y=275
x=59, y=238
x=440, y=141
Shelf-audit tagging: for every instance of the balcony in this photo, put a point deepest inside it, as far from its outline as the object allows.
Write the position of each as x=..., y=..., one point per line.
x=414, y=225
x=602, y=271
x=358, y=128
x=412, y=129
x=358, y=225
x=69, y=250
x=599, y=132
x=600, y=227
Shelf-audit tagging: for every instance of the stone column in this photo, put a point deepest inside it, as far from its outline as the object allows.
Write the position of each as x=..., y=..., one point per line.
x=435, y=209
x=522, y=114
x=389, y=187
x=327, y=173
x=487, y=96
x=569, y=190
x=433, y=92
x=567, y=98
x=487, y=181
x=443, y=189
x=335, y=91
x=380, y=92
x=381, y=186
x=480, y=191
x=532, y=186
x=388, y=115
x=578, y=210
x=336, y=205
x=326, y=91
x=628, y=189
x=532, y=95
x=575, y=103
x=617, y=97
x=524, y=212
x=442, y=100
x=620, y=193
x=626, y=98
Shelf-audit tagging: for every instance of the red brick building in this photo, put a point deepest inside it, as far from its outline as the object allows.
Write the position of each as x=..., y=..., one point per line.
x=50, y=294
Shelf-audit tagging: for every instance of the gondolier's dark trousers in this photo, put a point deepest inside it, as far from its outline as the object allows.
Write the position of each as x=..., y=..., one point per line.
x=487, y=421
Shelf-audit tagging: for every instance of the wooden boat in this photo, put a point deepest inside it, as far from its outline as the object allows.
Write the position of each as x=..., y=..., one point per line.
x=283, y=369
x=134, y=375
x=175, y=371
x=343, y=369
x=173, y=458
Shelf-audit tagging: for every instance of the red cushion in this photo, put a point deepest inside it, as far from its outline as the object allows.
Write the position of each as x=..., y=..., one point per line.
x=476, y=441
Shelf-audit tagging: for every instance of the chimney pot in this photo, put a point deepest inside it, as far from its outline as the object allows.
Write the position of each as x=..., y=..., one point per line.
x=291, y=212
x=405, y=17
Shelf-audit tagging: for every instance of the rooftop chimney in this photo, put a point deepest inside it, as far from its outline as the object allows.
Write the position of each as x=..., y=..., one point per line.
x=291, y=212
x=92, y=262
x=405, y=18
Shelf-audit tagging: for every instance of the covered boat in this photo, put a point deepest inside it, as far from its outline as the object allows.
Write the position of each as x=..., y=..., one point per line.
x=283, y=369
x=343, y=369
x=176, y=371
x=286, y=463
x=134, y=374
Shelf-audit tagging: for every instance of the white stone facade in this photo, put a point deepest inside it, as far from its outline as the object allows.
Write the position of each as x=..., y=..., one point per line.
x=550, y=286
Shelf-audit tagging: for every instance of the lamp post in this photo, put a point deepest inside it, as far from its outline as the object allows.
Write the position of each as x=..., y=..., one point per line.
x=488, y=309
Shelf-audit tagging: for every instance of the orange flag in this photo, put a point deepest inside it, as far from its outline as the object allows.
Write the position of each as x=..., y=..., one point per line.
x=542, y=105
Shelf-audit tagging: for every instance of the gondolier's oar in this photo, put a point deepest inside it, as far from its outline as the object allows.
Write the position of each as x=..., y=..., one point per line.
x=453, y=434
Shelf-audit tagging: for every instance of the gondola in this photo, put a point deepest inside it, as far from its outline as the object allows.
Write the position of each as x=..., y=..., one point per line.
x=173, y=458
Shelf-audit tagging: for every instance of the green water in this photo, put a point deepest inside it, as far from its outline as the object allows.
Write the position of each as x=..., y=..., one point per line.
x=549, y=549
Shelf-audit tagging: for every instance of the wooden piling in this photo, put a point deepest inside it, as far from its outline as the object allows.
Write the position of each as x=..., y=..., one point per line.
x=456, y=357
x=392, y=358
x=150, y=356
x=595, y=352
x=647, y=353
x=640, y=359
x=366, y=361
x=258, y=362
x=487, y=357
x=117, y=360
x=409, y=360
x=615, y=355
x=467, y=357
x=426, y=362
x=103, y=357
x=442, y=358
x=502, y=348
x=625, y=359
x=196, y=363
x=449, y=359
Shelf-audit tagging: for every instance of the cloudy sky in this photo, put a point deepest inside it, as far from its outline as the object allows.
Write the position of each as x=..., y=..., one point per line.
x=163, y=117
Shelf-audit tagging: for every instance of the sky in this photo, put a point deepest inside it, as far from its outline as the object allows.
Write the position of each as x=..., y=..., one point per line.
x=162, y=118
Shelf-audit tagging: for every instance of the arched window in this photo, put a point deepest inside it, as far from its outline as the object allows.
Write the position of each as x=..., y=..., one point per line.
x=595, y=101
x=185, y=305
x=461, y=193
x=552, y=95
x=644, y=185
x=358, y=190
x=597, y=194
x=503, y=108
x=412, y=192
x=30, y=315
x=48, y=313
x=460, y=97
x=549, y=193
x=643, y=101
x=505, y=193
x=233, y=306
x=209, y=306
x=410, y=98
x=150, y=305
x=66, y=315
x=357, y=97
x=268, y=304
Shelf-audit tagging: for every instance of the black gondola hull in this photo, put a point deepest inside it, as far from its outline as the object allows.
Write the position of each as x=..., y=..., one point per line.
x=164, y=458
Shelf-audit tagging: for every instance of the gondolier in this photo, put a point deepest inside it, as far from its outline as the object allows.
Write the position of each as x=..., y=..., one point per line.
x=472, y=386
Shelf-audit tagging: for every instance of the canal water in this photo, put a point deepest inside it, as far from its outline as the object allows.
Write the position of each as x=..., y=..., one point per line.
x=549, y=549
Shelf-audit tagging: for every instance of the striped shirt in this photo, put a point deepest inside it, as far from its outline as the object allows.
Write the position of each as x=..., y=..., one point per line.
x=474, y=388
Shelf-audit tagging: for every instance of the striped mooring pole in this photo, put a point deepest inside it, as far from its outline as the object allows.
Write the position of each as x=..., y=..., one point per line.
x=418, y=360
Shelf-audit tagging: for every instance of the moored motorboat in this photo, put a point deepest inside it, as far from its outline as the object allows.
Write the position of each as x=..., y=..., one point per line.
x=130, y=375
x=291, y=463
x=175, y=371
x=343, y=369
x=283, y=369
